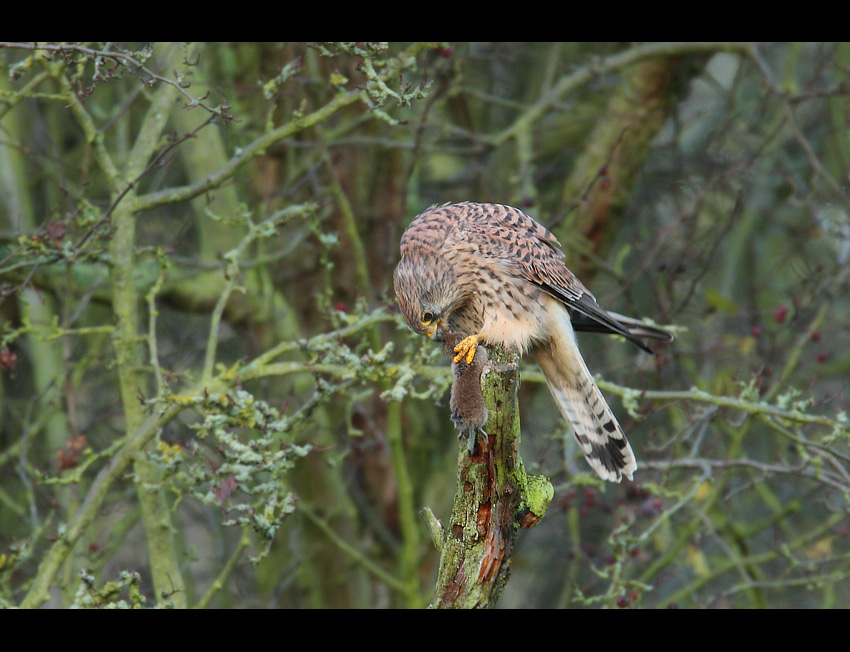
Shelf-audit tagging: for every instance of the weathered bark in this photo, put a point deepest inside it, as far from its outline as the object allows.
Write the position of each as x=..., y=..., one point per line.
x=495, y=499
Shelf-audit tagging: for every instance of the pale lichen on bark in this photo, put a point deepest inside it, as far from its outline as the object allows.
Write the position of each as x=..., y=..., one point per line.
x=495, y=498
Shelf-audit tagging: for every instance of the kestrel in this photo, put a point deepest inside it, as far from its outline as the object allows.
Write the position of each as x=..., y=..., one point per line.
x=494, y=274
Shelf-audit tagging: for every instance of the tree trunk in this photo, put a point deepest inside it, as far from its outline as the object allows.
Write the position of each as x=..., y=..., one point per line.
x=495, y=498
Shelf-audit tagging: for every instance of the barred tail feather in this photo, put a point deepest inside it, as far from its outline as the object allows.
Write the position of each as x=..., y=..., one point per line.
x=584, y=407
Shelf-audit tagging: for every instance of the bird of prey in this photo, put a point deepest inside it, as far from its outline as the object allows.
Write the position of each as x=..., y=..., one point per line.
x=493, y=273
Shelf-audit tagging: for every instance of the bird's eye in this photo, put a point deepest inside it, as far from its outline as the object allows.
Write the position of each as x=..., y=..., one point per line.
x=427, y=317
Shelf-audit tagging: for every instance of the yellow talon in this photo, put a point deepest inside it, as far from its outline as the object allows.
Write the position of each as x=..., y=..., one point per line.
x=467, y=347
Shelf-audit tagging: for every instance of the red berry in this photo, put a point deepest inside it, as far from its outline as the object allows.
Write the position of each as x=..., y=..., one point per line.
x=8, y=360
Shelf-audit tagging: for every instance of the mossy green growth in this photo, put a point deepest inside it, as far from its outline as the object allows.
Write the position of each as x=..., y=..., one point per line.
x=539, y=494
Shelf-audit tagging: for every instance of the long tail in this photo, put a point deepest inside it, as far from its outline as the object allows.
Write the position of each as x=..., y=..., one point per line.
x=583, y=406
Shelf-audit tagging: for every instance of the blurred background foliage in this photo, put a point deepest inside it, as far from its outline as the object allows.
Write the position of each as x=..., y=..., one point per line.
x=207, y=396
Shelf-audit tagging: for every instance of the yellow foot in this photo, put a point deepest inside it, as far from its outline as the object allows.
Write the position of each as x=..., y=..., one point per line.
x=466, y=347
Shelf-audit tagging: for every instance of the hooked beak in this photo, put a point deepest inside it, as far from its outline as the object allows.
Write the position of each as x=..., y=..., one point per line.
x=435, y=330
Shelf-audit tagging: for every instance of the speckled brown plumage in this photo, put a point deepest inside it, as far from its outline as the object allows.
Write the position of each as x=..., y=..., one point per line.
x=492, y=272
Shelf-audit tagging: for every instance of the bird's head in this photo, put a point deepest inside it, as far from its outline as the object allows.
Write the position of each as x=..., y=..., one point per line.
x=424, y=296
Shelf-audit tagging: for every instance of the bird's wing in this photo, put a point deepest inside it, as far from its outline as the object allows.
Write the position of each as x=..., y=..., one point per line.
x=534, y=253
